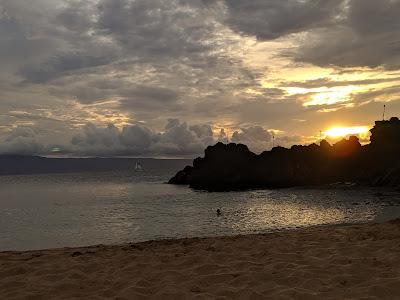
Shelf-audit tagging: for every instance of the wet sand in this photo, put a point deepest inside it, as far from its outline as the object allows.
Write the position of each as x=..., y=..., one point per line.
x=336, y=262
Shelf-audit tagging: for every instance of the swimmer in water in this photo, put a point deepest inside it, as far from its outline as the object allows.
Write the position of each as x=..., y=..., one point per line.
x=218, y=212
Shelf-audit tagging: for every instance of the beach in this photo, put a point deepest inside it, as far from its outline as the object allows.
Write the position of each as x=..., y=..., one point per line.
x=329, y=262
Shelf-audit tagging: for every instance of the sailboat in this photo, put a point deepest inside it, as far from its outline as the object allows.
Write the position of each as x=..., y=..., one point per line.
x=138, y=167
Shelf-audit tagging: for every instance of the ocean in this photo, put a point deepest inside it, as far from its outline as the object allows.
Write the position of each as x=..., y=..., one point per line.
x=39, y=211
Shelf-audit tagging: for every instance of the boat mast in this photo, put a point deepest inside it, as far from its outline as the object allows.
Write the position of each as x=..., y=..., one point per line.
x=384, y=111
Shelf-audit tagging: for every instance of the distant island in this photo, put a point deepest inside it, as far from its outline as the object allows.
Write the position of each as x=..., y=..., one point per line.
x=227, y=167
x=29, y=165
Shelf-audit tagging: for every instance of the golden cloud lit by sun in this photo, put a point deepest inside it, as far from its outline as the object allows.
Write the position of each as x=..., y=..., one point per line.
x=345, y=131
x=337, y=90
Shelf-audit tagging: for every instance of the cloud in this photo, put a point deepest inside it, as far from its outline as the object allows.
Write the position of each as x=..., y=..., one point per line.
x=223, y=136
x=16, y=46
x=257, y=138
x=60, y=65
x=389, y=94
x=147, y=97
x=77, y=16
x=349, y=33
x=220, y=65
x=275, y=18
x=287, y=141
x=327, y=82
x=148, y=55
x=22, y=140
x=145, y=55
x=264, y=111
x=366, y=35
x=202, y=130
x=157, y=28
x=107, y=32
x=177, y=139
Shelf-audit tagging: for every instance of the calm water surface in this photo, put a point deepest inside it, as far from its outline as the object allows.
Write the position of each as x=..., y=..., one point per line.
x=57, y=210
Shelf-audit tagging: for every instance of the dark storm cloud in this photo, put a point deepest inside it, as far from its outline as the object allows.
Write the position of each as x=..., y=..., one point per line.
x=155, y=27
x=77, y=16
x=149, y=99
x=15, y=46
x=374, y=17
x=367, y=36
x=341, y=33
x=60, y=65
x=148, y=96
x=270, y=19
x=39, y=39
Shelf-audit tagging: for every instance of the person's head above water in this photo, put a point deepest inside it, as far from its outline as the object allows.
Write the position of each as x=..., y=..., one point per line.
x=218, y=211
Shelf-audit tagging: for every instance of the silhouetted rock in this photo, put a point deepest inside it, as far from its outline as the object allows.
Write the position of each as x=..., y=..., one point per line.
x=182, y=176
x=224, y=165
x=346, y=148
x=235, y=167
x=386, y=134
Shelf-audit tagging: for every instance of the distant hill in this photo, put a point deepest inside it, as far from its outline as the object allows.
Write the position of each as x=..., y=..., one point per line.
x=20, y=164
x=235, y=167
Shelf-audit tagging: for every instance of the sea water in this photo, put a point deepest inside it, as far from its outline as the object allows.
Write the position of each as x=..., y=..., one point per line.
x=81, y=209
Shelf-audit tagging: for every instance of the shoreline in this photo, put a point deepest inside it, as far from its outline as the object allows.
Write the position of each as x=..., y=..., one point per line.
x=329, y=261
x=180, y=239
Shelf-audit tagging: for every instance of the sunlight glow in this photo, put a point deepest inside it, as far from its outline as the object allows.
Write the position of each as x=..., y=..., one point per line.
x=332, y=89
x=329, y=98
x=345, y=131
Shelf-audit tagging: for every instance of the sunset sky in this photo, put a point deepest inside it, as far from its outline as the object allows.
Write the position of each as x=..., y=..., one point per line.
x=166, y=78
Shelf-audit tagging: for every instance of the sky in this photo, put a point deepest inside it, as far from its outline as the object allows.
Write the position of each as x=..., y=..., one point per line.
x=166, y=78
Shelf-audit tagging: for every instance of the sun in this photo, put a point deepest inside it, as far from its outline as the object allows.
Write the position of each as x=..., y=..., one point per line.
x=345, y=131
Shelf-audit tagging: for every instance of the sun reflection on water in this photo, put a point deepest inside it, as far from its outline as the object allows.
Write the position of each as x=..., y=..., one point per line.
x=295, y=210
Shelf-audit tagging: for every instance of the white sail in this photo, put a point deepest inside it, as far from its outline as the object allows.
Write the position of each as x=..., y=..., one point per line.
x=138, y=167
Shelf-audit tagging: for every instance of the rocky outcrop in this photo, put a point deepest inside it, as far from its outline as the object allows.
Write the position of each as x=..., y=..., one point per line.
x=235, y=167
x=224, y=167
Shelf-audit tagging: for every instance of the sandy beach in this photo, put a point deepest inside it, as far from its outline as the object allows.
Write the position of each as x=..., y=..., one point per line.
x=337, y=262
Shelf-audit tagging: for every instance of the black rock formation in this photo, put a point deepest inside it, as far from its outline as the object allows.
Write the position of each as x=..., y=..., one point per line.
x=235, y=167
